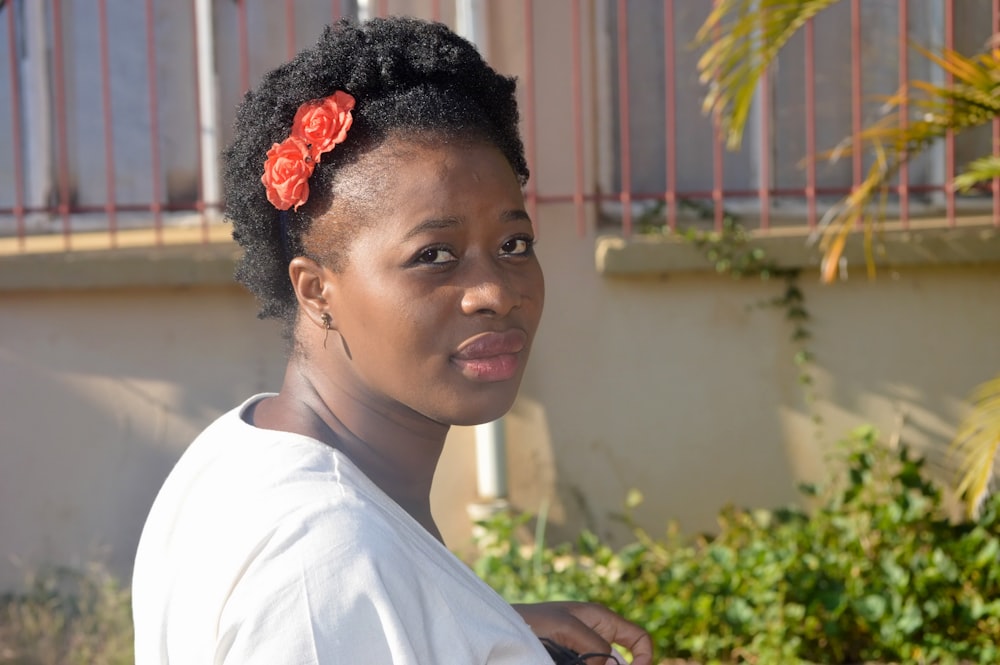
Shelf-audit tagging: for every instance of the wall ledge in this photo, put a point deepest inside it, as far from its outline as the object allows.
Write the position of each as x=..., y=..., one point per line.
x=136, y=267
x=922, y=242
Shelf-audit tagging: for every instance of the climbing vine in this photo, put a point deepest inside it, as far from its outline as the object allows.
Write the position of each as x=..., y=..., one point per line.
x=731, y=251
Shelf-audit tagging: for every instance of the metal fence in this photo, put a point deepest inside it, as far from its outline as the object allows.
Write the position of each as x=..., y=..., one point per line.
x=110, y=109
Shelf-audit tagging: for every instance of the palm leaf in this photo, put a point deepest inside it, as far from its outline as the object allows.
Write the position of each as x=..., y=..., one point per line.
x=980, y=170
x=743, y=38
x=971, y=100
x=977, y=446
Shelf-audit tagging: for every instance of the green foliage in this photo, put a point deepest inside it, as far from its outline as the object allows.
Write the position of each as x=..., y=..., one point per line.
x=873, y=573
x=67, y=617
x=978, y=171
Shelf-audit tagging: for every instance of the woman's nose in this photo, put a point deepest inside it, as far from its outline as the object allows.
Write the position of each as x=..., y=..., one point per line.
x=490, y=289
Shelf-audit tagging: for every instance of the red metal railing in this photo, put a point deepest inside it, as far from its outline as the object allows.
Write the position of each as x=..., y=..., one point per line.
x=716, y=191
x=670, y=118
x=65, y=205
x=155, y=165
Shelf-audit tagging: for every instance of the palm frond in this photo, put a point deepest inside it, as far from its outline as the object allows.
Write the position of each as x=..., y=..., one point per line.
x=977, y=446
x=980, y=170
x=743, y=38
x=971, y=100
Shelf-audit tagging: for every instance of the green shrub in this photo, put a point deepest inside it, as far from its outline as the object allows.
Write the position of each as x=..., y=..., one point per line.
x=873, y=573
x=67, y=617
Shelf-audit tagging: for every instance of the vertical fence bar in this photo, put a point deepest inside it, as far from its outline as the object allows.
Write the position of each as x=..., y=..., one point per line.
x=996, y=121
x=904, y=109
x=436, y=10
x=624, y=131
x=718, y=173
x=810, y=76
x=154, y=123
x=764, y=186
x=857, y=164
x=383, y=7
x=529, y=109
x=111, y=199
x=670, y=106
x=244, y=37
x=17, y=126
x=577, y=103
x=335, y=10
x=199, y=204
x=62, y=149
x=289, y=29
x=949, y=139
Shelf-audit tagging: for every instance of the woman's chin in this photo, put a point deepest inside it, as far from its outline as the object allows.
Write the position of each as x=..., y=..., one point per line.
x=477, y=412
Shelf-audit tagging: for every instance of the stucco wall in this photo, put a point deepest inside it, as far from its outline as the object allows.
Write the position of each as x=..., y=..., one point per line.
x=100, y=392
x=682, y=387
x=674, y=386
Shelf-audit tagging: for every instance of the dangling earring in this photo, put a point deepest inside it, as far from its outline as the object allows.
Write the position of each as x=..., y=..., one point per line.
x=328, y=324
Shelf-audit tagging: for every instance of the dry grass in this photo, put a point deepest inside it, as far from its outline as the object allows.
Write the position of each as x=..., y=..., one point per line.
x=67, y=617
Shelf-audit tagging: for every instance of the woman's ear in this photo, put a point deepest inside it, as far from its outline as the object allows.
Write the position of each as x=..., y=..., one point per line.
x=313, y=285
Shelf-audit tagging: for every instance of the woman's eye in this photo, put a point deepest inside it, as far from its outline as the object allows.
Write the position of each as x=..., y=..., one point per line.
x=435, y=255
x=517, y=246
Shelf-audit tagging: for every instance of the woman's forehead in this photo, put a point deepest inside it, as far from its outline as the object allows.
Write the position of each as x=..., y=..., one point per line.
x=402, y=166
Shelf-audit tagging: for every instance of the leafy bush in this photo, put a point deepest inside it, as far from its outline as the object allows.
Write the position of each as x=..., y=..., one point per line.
x=873, y=573
x=67, y=617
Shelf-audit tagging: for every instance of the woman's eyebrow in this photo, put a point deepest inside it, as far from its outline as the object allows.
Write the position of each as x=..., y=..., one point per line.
x=515, y=216
x=438, y=223
x=432, y=225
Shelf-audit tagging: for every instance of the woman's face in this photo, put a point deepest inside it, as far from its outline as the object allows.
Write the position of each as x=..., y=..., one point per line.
x=441, y=294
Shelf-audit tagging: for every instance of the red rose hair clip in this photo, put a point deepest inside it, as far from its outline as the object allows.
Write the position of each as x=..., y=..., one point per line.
x=318, y=126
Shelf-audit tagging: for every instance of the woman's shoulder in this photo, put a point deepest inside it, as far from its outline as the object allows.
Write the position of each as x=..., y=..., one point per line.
x=238, y=483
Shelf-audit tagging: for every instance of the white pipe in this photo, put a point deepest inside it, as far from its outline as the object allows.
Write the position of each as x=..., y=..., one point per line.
x=937, y=151
x=491, y=445
x=208, y=116
x=364, y=10
x=471, y=23
x=37, y=105
x=491, y=460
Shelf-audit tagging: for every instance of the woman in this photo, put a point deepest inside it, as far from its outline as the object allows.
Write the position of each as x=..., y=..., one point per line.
x=375, y=185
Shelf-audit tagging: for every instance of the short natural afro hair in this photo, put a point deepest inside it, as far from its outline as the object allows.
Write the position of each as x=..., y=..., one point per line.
x=406, y=75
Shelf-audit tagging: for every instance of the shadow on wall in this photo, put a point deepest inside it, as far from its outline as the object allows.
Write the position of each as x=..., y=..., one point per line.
x=670, y=386
x=916, y=355
x=101, y=392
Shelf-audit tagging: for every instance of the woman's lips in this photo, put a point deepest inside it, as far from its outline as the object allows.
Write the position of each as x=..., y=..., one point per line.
x=491, y=356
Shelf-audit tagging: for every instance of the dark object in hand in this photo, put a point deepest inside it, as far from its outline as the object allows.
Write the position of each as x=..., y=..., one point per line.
x=565, y=656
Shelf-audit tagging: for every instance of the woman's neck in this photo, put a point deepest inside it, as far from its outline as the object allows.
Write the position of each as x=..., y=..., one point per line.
x=398, y=451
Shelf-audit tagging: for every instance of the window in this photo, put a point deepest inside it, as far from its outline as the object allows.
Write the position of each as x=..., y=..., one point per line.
x=112, y=115
x=810, y=102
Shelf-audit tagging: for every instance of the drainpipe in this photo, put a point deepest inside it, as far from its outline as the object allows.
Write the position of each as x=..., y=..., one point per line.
x=491, y=462
x=364, y=10
x=471, y=22
x=491, y=448
x=208, y=116
x=36, y=109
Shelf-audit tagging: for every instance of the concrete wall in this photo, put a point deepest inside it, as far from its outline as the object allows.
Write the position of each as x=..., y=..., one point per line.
x=681, y=387
x=674, y=386
x=100, y=392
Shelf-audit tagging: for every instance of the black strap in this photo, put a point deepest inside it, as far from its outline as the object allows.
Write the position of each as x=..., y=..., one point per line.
x=565, y=656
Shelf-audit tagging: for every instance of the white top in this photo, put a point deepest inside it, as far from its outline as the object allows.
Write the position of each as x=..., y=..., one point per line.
x=269, y=547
